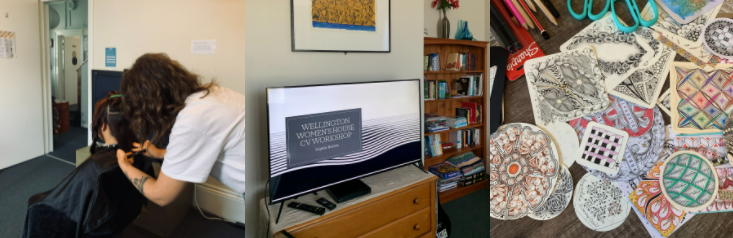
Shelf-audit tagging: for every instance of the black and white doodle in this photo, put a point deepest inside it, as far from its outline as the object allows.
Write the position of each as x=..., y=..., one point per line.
x=690, y=31
x=718, y=37
x=663, y=103
x=644, y=85
x=565, y=86
x=599, y=204
x=619, y=54
x=559, y=200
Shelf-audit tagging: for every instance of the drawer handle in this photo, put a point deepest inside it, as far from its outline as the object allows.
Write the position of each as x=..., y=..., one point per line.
x=416, y=201
x=417, y=227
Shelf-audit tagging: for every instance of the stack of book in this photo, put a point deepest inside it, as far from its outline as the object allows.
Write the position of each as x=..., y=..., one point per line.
x=432, y=62
x=470, y=85
x=461, y=62
x=463, y=159
x=456, y=121
x=471, y=111
x=448, y=175
x=435, y=123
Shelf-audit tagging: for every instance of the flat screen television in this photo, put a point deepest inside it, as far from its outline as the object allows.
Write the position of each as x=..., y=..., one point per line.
x=102, y=82
x=325, y=135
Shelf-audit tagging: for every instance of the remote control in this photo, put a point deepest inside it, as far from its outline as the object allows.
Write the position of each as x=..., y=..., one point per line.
x=326, y=203
x=307, y=208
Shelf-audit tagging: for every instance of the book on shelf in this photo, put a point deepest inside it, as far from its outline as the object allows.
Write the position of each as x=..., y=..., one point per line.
x=456, y=121
x=460, y=62
x=468, y=181
x=426, y=63
x=472, y=117
x=430, y=89
x=432, y=62
x=456, y=137
x=452, y=63
x=463, y=159
x=444, y=171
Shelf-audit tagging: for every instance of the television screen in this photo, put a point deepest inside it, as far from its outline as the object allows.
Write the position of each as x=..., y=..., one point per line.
x=103, y=82
x=324, y=135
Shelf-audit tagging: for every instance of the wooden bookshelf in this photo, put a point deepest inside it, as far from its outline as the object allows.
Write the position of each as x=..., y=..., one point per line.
x=447, y=107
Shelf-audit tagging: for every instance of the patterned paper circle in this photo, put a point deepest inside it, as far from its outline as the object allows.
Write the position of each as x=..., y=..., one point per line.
x=559, y=199
x=689, y=180
x=718, y=37
x=524, y=169
x=600, y=205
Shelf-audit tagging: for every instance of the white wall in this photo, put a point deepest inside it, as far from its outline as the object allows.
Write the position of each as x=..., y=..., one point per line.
x=473, y=11
x=21, y=126
x=136, y=27
x=271, y=63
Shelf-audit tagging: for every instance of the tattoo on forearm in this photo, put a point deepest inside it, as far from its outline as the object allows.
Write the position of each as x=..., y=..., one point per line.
x=140, y=183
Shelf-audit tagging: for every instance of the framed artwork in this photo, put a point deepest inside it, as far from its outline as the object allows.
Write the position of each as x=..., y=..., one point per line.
x=341, y=26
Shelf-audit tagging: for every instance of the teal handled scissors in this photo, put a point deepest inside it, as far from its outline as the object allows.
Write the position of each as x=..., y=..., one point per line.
x=633, y=8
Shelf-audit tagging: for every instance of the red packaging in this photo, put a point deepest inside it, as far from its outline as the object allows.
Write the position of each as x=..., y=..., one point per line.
x=530, y=50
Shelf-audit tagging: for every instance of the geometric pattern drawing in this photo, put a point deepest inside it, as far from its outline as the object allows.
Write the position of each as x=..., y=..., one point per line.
x=523, y=170
x=653, y=205
x=619, y=54
x=700, y=99
x=685, y=11
x=689, y=180
x=663, y=103
x=599, y=204
x=724, y=199
x=718, y=37
x=647, y=137
x=559, y=199
x=565, y=86
x=644, y=85
x=603, y=148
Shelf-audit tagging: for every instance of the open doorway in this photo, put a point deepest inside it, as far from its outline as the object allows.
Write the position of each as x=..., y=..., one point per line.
x=68, y=54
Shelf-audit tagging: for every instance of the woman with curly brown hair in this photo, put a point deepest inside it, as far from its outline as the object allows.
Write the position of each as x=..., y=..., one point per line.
x=204, y=125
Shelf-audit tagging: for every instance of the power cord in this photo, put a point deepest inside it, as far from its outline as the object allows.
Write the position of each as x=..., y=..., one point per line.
x=269, y=220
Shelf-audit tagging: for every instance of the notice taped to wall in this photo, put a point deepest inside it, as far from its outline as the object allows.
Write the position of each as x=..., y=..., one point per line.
x=7, y=44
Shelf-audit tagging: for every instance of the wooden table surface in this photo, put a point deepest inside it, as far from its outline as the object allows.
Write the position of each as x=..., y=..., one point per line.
x=517, y=109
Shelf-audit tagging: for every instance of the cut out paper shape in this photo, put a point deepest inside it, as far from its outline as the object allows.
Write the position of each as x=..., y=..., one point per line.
x=663, y=103
x=685, y=11
x=565, y=139
x=619, y=54
x=700, y=98
x=728, y=139
x=644, y=85
x=652, y=205
x=647, y=137
x=718, y=37
x=724, y=199
x=523, y=170
x=689, y=181
x=565, y=86
x=602, y=148
x=599, y=204
x=559, y=199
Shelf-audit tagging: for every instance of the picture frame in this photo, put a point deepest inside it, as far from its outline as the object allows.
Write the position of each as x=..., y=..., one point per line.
x=367, y=27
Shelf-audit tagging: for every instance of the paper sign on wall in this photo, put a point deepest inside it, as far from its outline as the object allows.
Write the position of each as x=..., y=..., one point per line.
x=7, y=44
x=203, y=47
x=110, y=57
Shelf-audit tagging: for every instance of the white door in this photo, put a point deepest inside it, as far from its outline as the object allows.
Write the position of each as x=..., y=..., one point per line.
x=72, y=61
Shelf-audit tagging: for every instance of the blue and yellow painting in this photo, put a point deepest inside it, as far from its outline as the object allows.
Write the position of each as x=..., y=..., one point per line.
x=352, y=15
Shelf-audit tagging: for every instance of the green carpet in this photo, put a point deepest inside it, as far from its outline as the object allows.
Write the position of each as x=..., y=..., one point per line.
x=469, y=215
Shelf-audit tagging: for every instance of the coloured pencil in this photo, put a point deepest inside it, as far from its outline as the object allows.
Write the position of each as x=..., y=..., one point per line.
x=552, y=8
x=522, y=12
x=505, y=26
x=530, y=5
x=511, y=14
x=542, y=30
x=546, y=11
x=516, y=13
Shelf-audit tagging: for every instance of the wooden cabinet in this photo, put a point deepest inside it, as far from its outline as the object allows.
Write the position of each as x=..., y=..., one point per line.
x=404, y=206
x=447, y=107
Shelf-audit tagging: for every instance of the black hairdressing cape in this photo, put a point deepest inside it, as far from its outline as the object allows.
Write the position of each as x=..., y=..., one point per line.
x=95, y=200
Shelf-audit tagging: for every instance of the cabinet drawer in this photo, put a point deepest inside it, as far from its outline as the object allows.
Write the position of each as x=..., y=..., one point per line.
x=370, y=216
x=408, y=227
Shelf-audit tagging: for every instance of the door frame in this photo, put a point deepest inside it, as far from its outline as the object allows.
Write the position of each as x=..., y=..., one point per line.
x=46, y=67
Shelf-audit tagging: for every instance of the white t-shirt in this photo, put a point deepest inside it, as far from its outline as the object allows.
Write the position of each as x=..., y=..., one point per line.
x=208, y=139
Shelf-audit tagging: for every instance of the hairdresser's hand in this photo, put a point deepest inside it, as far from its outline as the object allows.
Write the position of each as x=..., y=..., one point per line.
x=122, y=157
x=150, y=150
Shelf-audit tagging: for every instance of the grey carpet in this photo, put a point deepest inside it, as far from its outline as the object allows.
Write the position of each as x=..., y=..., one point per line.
x=43, y=173
x=469, y=215
x=70, y=141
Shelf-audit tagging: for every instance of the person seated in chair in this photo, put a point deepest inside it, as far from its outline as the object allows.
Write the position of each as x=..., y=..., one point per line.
x=96, y=199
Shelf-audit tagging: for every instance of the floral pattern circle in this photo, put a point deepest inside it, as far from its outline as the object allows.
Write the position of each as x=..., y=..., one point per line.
x=524, y=169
